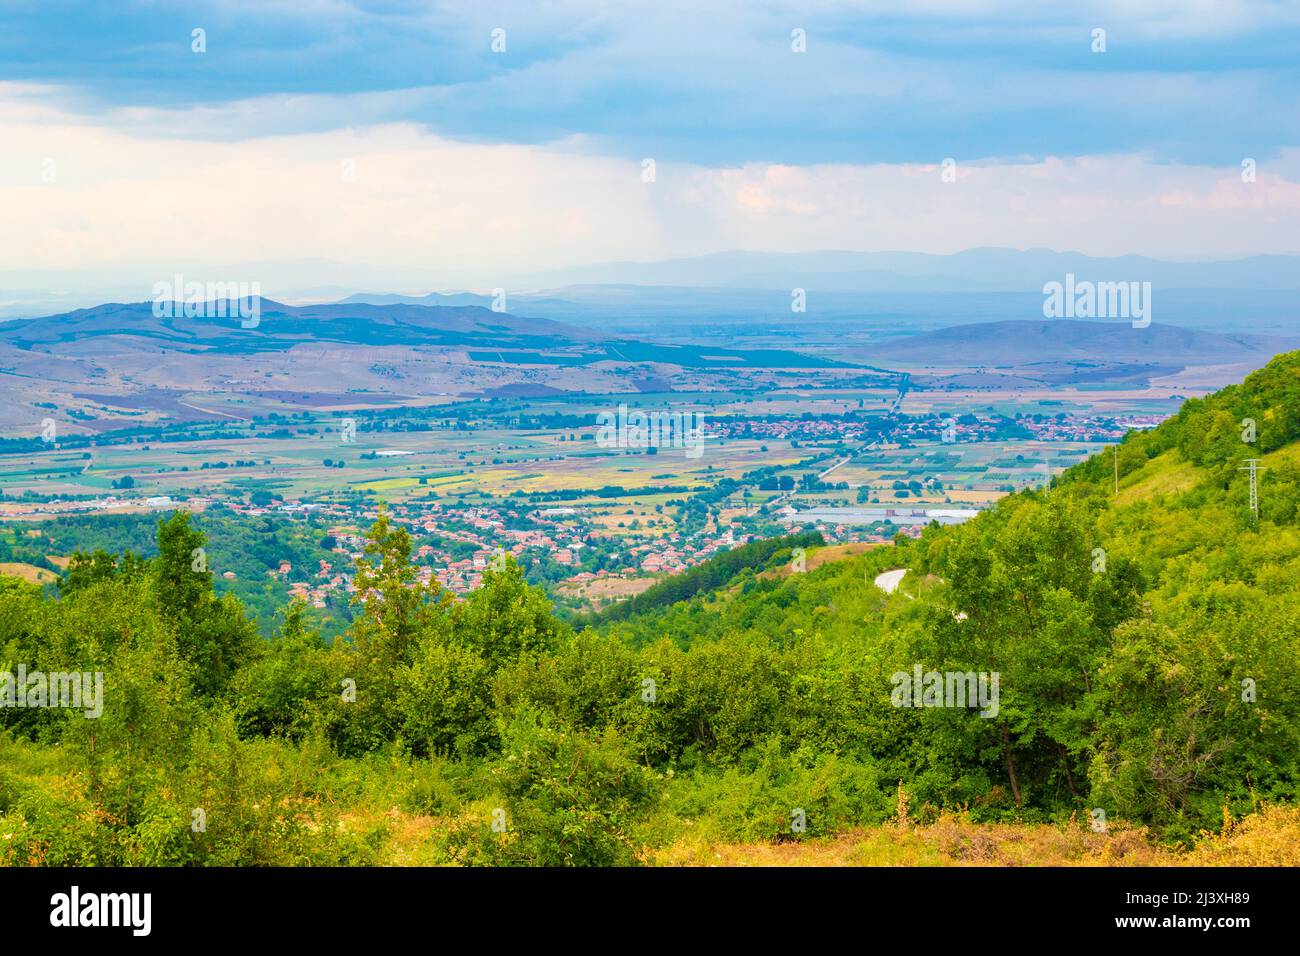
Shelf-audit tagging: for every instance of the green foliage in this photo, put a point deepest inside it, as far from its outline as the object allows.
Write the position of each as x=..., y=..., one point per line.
x=506, y=617
x=444, y=698
x=706, y=576
x=568, y=800
x=211, y=633
x=275, y=694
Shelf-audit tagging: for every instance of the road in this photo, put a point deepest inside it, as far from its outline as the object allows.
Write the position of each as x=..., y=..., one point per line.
x=888, y=581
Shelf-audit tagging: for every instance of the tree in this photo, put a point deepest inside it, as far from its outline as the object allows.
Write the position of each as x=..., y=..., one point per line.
x=280, y=692
x=506, y=616
x=85, y=569
x=396, y=606
x=398, y=614
x=184, y=580
x=212, y=633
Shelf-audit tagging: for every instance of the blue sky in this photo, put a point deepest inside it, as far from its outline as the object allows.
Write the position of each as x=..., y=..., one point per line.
x=711, y=90
x=713, y=82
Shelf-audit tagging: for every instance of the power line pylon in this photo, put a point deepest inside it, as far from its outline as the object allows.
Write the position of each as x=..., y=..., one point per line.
x=1252, y=465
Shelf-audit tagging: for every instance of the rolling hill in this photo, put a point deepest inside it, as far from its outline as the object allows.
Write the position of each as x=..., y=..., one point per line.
x=125, y=356
x=133, y=326
x=488, y=336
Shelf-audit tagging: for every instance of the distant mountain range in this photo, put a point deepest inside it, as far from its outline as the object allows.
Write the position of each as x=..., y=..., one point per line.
x=485, y=335
x=591, y=289
x=134, y=327
x=1022, y=343
x=117, y=364
x=453, y=322
x=124, y=357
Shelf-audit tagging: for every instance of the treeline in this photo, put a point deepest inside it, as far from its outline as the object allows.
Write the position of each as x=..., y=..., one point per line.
x=534, y=743
x=605, y=491
x=248, y=547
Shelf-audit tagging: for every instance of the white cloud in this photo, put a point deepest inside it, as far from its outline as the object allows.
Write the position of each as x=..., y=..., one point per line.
x=123, y=197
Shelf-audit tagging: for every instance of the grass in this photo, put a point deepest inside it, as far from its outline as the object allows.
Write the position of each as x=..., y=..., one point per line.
x=401, y=809
x=816, y=557
x=1165, y=474
x=1268, y=838
x=28, y=572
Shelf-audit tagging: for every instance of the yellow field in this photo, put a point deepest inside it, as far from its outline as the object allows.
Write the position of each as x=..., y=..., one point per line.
x=28, y=572
x=819, y=556
x=394, y=484
x=603, y=590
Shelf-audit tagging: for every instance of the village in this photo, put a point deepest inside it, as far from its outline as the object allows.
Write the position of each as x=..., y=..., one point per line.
x=468, y=541
x=589, y=548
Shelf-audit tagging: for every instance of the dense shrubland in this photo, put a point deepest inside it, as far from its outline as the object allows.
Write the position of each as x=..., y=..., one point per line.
x=1148, y=648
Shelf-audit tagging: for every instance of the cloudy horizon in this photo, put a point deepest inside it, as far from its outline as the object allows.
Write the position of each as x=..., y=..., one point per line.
x=391, y=136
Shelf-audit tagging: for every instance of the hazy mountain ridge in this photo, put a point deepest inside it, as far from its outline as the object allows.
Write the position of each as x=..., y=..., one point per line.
x=1020, y=342
x=281, y=326
x=28, y=292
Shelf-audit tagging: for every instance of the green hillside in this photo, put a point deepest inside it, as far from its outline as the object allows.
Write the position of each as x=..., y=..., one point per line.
x=1145, y=646
x=717, y=572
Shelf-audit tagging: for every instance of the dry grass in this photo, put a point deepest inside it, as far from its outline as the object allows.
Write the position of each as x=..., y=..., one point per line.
x=1268, y=838
x=28, y=572
x=838, y=552
x=816, y=557
x=1163, y=475
x=602, y=591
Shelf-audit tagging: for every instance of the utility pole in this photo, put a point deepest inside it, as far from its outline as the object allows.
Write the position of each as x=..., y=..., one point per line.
x=1252, y=465
x=1117, y=469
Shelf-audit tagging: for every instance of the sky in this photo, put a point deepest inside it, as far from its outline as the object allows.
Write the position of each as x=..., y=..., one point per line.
x=472, y=142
